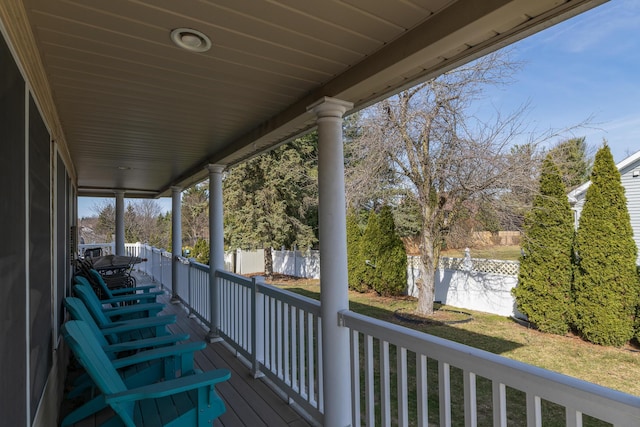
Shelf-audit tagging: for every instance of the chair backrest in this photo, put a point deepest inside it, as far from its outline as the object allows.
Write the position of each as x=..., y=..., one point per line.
x=102, y=291
x=78, y=311
x=92, y=252
x=93, y=304
x=97, y=278
x=91, y=356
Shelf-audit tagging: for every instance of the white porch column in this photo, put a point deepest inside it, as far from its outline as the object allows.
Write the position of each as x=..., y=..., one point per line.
x=216, y=245
x=119, y=222
x=176, y=240
x=334, y=295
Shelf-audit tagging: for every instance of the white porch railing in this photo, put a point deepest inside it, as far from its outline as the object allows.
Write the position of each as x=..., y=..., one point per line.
x=277, y=332
x=399, y=376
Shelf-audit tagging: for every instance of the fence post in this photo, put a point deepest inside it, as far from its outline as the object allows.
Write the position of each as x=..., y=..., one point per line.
x=257, y=327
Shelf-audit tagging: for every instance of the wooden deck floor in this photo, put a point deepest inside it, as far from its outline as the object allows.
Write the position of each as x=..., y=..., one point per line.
x=249, y=402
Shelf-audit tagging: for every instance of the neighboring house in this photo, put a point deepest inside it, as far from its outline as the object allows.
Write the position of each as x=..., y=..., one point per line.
x=630, y=177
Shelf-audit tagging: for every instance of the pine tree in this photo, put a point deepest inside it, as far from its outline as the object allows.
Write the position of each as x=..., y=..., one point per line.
x=544, y=281
x=606, y=283
x=355, y=262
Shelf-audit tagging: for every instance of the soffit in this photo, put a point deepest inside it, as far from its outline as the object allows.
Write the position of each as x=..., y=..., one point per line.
x=139, y=114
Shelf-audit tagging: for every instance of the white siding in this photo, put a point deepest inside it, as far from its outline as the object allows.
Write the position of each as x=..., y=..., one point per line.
x=631, y=185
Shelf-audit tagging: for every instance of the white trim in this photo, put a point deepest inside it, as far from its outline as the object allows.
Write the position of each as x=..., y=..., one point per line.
x=56, y=256
x=26, y=256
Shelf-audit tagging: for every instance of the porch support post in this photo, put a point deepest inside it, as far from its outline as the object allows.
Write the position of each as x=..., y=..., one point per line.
x=334, y=296
x=216, y=246
x=119, y=222
x=176, y=240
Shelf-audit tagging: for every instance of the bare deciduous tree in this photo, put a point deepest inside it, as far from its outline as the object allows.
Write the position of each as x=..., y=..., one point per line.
x=446, y=158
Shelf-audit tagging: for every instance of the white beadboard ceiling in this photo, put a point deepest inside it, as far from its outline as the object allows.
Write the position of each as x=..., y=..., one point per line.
x=138, y=113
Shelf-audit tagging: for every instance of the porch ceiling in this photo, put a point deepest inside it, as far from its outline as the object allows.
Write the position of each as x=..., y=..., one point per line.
x=139, y=114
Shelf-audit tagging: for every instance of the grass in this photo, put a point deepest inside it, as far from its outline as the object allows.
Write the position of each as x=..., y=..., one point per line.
x=508, y=253
x=616, y=368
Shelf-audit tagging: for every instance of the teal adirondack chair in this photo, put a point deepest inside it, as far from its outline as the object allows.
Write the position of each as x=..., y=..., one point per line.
x=142, y=368
x=112, y=293
x=139, y=309
x=136, y=328
x=121, y=331
x=120, y=300
x=186, y=401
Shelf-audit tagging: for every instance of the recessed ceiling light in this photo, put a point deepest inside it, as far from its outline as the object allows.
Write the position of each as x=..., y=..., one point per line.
x=191, y=40
x=124, y=168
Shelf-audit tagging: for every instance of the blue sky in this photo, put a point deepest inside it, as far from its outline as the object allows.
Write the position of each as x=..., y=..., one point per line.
x=585, y=68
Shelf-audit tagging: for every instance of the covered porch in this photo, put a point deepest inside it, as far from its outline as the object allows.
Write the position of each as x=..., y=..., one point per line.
x=123, y=99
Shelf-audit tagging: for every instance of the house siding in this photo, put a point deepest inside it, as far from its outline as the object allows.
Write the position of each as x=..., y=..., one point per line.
x=631, y=185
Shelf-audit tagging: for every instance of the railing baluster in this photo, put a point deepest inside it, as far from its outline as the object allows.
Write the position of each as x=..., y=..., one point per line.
x=385, y=387
x=320, y=367
x=574, y=418
x=301, y=355
x=534, y=411
x=444, y=385
x=272, y=335
x=279, y=339
x=355, y=377
x=310, y=359
x=470, y=401
x=369, y=389
x=421, y=390
x=403, y=402
x=294, y=349
x=286, y=337
x=499, y=404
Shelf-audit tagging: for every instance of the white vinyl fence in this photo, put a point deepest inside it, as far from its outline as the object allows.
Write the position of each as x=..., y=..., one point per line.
x=470, y=283
x=474, y=284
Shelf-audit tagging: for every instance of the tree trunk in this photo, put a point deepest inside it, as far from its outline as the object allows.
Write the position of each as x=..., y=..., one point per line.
x=268, y=262
x=426, y=289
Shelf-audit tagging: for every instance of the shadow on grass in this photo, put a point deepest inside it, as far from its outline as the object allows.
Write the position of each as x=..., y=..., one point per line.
x=462, y=336
x=516, y=405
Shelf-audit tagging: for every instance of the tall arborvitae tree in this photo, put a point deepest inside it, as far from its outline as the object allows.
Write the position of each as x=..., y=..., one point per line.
x=355, y=261
x=606, y=285
x=368, y=249
x=544, y=282
x=391, y=263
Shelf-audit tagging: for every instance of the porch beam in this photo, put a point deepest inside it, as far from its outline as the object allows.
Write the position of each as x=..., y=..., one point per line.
x=119, y=222
x=334, y=296
x=216, y=245
x=176, y=240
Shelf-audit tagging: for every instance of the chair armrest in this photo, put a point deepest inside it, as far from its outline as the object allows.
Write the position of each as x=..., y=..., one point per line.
x=132, y=309
x=130, y=297
x=145, y=343
x=130, y=325
x=170, y=387
x=143, y=288
x=159, y=353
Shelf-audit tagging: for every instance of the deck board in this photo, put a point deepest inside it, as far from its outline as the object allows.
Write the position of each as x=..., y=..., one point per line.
x=249, y=401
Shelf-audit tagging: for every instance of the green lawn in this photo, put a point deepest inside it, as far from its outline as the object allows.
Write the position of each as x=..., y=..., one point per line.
x=617, y=368
x=510, y=253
